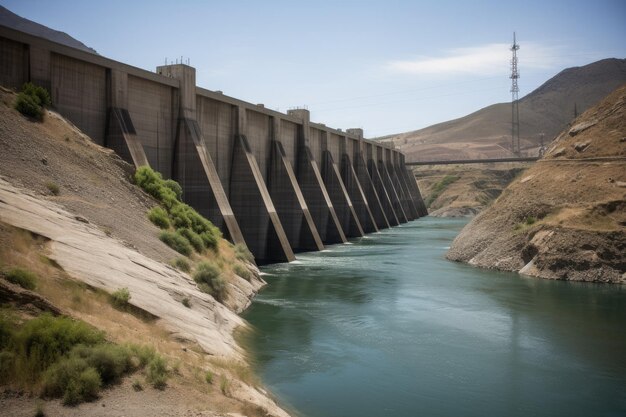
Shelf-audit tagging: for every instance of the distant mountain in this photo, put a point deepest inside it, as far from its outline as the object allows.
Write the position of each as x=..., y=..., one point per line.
x=13, y=21
x=487, y=132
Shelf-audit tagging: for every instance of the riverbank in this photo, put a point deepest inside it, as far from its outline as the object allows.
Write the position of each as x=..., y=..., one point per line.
x=565, y=217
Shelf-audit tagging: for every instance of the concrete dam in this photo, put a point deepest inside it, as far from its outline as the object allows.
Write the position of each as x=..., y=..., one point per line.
x=275, y=182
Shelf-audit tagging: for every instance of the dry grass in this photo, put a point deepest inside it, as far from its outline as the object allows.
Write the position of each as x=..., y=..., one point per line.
x=187, y=361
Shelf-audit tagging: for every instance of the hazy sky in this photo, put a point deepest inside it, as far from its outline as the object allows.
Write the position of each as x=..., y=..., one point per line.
x=386, y=66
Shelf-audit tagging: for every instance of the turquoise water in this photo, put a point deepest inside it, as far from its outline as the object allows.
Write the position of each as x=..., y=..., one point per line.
x=387, y=327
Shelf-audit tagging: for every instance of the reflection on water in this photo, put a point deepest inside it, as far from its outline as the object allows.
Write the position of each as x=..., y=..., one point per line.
x=387, y=327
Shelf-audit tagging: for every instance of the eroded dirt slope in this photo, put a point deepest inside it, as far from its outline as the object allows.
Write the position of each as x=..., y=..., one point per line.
x=565, y=217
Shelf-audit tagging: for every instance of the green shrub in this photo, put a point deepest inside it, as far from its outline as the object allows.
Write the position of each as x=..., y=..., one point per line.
x=45, y=339
x=22, y=277
x=144, y=354
x=157, y=372
x=158, y=216
x=177, y=242
x=152, y=182
x=182, y=264
x=28, y=106
x=530, y=220
x=208, y=377
x=242, y=253
x=209, y=280
x=242, y=271
x=210, y=240
x=53, y=188
x=180, y=216
x=186, y=302
x=120, y=297
x=38, y=93
x=193, y=238
x=111, y=361
x=174, y=186
x=73, y=379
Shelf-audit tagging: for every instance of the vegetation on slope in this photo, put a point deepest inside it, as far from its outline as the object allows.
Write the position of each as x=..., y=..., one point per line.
x=188, y=232
x=62, y=357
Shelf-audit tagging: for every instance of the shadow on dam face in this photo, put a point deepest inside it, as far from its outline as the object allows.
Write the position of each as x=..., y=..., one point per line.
x=275, y=182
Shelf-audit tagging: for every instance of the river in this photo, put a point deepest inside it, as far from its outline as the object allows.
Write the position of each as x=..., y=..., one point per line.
x=385, y=326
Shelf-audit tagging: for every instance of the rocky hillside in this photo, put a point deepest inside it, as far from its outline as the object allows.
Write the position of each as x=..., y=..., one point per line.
x=13, y=21
x=70, y=214
x=464, y=190
x=487, y=132
x=565, y=217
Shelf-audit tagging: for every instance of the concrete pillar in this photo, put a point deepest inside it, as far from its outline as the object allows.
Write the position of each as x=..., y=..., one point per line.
x=120, y=132
x=379, y=186
x=254, y=208
x=338, y=193
x=395, y=168
x=290, y=204
x=192, y=165
x=414, y=190
x=357, y=195
x=360, y=167
x=313, y=188
x=390, y=187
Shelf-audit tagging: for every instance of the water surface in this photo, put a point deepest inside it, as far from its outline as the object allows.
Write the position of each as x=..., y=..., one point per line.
x=387, y=327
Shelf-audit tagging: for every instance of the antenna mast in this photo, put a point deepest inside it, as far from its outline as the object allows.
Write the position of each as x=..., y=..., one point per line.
x=514, y=99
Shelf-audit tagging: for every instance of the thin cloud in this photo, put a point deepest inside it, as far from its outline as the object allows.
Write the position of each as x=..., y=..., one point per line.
x=485, y=59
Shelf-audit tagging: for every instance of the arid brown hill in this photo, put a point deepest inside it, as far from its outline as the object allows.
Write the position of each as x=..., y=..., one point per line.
x=487, y=132
x=13, y=21
x=565, y=217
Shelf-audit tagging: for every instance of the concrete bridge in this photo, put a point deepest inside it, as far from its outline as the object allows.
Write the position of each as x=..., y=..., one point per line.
x=276, y=182
x=474, y=161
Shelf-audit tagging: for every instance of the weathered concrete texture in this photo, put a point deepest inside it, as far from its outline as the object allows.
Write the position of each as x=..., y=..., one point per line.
x=216, y=123
x=415, y=193
x=339, y=197
x=370, y=192
x=317, y=198
x=151, y=108
x=392, y=193
x=13, y=63
x=381, y=191
x=357, y=196
x=78, y=91
x=122, y=138
x=407, y=202
x=254, y=209
x=290, y=203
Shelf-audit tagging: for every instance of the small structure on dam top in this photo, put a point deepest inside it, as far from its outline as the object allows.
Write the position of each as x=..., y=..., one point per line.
x=276, y=182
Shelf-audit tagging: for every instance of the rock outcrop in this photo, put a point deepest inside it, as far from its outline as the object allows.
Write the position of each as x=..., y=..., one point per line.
x=565, y=217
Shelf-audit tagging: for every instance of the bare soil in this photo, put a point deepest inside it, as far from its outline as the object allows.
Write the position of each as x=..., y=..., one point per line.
x=565, y=217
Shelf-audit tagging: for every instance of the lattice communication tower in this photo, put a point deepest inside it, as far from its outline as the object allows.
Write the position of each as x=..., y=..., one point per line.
x=515, y=145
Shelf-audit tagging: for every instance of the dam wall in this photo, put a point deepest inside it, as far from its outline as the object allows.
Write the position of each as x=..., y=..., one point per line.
x=276, y=182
